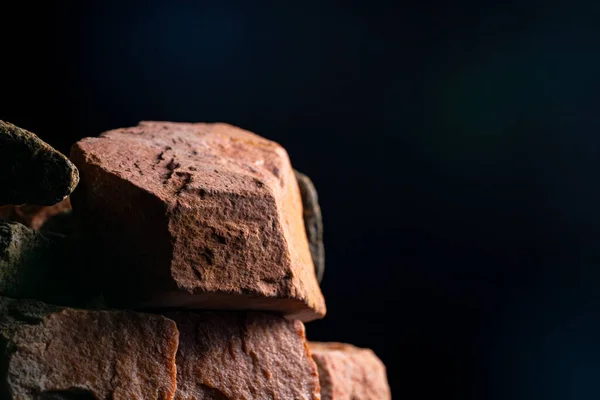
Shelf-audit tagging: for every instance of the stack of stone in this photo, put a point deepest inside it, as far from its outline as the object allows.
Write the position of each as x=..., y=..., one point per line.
x=186, y=270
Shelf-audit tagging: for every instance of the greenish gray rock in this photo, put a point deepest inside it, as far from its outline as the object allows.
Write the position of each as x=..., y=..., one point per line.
x=16, y=313
x=31, y=171
x=313, y=222
x=37, y=265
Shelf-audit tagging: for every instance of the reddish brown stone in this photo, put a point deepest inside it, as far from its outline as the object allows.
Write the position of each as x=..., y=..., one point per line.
x=33, y=216
x=347, y=372
x=241, y=355
x=196, y=216
x=53, y=353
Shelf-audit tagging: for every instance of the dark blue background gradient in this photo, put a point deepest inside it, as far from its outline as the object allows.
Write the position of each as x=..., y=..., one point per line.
x=455, y=148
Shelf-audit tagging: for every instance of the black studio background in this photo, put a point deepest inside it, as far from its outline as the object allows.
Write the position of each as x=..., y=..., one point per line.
x=455, y=148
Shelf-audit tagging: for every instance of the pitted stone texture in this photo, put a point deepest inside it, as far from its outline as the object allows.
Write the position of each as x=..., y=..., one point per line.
x=238, y=355
x=31, y=171
x=196, y=216
x=347, y=372
x=313, y=222
x=55, y=353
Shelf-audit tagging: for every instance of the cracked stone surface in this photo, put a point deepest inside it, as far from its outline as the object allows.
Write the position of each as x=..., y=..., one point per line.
x=313, y=222
x=196, y=216
x=50, y=352
x=347, y=372
x=32, y=171
x=238, y=355
x=55, y=218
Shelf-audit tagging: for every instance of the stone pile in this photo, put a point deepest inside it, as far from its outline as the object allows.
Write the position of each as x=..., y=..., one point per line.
x=185, y=270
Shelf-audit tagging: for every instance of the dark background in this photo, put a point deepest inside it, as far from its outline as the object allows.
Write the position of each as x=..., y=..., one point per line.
x=454, y=146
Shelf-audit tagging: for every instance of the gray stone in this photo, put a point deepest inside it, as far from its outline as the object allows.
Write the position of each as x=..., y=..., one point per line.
x=31, y=171
x=313, y=222
x=37, y=265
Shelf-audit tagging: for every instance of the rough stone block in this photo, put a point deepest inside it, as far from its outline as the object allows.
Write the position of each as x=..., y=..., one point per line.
x=196, y=216
x=242, y=355
x=50, y=352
